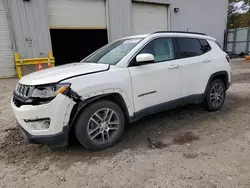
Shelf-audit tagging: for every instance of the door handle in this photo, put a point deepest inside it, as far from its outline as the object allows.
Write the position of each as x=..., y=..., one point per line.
x=206, y=61
x=173, y=66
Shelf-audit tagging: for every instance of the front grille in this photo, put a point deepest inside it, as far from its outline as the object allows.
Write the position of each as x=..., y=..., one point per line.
x=23, y=91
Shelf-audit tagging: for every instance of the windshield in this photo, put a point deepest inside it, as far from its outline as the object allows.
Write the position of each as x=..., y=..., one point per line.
x=114, y=52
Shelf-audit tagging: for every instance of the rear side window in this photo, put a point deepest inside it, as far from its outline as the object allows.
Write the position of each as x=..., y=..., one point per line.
x=205, y=47
x=189, y=47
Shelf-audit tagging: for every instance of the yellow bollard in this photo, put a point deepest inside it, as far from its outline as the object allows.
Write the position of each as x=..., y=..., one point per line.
x=52, y=59
x=18, y=66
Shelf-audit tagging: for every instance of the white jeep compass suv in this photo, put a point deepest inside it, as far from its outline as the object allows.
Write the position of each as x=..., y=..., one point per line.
x=118, y=84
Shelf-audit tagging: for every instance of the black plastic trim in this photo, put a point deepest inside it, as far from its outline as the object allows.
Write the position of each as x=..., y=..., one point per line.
x=192, y=99
x=59, y=140
x=220, y=73
x=186, y=32
x=82, y=104
x=148, y=93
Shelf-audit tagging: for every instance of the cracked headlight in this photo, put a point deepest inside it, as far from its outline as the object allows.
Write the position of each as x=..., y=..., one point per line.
x=49, y=91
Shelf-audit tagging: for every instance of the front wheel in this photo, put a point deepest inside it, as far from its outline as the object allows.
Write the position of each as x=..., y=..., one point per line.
x=100, y=125
x=215, y=95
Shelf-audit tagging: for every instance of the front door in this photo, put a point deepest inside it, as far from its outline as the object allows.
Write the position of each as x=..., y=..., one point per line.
x=156, y=83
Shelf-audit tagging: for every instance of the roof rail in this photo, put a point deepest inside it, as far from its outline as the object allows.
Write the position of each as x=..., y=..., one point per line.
x=179, y=32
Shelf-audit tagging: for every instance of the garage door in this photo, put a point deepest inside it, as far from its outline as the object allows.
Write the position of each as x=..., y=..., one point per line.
x=148, y=18
x=7, y=68
x=77, y=14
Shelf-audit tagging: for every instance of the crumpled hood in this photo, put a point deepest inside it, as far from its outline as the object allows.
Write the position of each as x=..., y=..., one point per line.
x=56, y=74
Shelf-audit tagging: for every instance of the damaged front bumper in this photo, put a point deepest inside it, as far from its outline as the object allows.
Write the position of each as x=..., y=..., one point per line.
x=46, y=123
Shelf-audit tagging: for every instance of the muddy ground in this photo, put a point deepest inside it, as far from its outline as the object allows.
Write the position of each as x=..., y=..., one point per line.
x=181, y=148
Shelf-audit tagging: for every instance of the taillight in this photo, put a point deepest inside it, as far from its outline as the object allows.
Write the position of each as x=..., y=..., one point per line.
x=228, y=58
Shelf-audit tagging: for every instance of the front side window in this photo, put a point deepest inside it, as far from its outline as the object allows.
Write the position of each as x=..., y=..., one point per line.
x=189, y=47
x=162, y=49
x=114, y=52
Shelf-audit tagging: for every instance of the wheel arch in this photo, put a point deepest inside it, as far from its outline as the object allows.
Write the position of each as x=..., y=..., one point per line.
x=114, y=97
x=222, y=75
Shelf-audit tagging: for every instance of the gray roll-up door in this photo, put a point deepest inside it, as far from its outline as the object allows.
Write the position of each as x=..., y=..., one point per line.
x=148, y=17
x=77, y=14
x=7, y=65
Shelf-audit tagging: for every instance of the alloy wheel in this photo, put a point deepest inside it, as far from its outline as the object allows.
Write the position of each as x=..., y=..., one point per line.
x=103, y=125
x=217, y=95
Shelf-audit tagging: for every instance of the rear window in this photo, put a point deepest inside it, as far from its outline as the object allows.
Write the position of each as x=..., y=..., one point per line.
x=189, y=47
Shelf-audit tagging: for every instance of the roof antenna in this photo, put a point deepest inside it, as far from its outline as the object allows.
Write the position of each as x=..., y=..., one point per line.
x=187, y=29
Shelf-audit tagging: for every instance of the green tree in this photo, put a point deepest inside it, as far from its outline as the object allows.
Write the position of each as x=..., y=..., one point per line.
x=238, y=16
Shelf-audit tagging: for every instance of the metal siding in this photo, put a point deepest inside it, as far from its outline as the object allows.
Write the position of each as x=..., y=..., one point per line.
x=230, y=36
x=229, y=47
x=239, y=40
x=205, y=16
x=119, y=18
x=77, y=14
x=29, y=19
x=241, y=34
x=240, y=47
x=148, y=18
x=7, y=68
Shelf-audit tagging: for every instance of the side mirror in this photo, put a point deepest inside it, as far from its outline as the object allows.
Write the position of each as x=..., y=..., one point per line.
x=145, y=58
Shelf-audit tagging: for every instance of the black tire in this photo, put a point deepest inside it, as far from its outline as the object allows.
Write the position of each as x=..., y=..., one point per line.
x=82, y=124
x=211, y=105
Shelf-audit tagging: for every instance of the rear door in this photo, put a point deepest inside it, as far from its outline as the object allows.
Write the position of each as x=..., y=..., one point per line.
x=195, y=60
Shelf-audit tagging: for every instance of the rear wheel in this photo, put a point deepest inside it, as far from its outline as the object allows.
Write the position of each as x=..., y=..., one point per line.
x=215, y=95
x=100, y=125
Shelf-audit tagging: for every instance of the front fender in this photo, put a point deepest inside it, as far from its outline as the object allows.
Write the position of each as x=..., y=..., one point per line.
x=127, y=102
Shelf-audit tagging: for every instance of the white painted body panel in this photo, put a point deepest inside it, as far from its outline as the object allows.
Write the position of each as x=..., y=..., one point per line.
x=196, y=71
x=165, y=84
x=115, y=80
x=195, y=75
x=56, y=74
x=57, y=110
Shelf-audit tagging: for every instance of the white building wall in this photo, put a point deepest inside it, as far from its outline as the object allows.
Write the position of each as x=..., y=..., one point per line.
x=205, y=16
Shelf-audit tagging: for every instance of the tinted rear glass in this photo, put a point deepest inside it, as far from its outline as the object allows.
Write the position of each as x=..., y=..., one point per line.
x=205, y=46
x=189, y=47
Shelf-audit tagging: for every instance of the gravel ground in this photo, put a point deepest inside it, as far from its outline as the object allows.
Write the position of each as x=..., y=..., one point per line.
x=181, y=148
